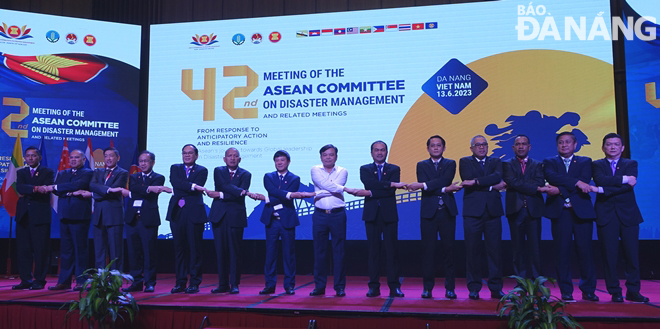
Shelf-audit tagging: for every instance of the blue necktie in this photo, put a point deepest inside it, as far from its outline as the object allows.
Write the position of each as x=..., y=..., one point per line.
x=380, y=172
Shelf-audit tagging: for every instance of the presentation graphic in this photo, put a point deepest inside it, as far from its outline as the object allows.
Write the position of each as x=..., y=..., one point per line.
x=60, y=94
x=401, y=75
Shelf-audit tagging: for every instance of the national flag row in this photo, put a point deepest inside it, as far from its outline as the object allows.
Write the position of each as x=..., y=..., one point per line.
x=367, y=29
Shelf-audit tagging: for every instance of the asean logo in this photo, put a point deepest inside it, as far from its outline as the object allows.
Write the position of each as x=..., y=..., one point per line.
x=238, y=39
x=89, y=40
x=275, y=37
x=256, y=38
x=204, y=40
x=52, y=36
x=71, y=38
x=15, y=32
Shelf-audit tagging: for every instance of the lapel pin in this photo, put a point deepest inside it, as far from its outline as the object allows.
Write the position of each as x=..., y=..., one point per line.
x=284, y=182
x=36, y=174
x=375, y=172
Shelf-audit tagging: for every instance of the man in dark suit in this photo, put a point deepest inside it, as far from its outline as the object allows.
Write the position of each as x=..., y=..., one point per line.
x=618, y=217
x=142, y=221
x=572, y=215
x=33, y=217
x=186, y=213
x=482, y=210
x=524, y=206
x=108, y=216
x=381, y=218
x=437, y=213
x=280, y=217
x=229, y=219
x=74, y=209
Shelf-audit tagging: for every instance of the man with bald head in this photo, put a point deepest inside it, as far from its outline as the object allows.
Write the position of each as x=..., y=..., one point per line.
x=228, y=217
x=74, y=209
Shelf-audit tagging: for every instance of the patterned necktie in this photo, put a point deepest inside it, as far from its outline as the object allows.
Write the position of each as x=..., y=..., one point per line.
x=523, y=165
x=380, y=172
x=109, y=173
x=482, y=163
x=231, y=175
x=436, y=164
x=567, y=163
x=613, y=163
x=187, y=171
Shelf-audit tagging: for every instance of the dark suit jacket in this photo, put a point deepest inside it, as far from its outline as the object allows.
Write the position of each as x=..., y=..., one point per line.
x=381, y=193
x=277, y=196
x=523, y=186
x=232, y=206
x=149, y=210
x=555, y=173
x=108, y=205
x=35, y=205
x=476, y=198
x=73, y=207
x=193, y=209
x=618, y=199
x=435, y=181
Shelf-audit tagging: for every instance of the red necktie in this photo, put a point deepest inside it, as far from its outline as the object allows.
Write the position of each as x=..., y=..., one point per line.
x=231, y=175
x=523, y=165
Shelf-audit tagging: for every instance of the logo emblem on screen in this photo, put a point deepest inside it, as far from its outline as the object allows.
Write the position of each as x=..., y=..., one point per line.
x=52, y=36
x=257, y=38
x=204, y=40
x=238, y=39
x=89, y=40
x=454, y=86
x=71, y=38
x=15, y=32
x=275, y=37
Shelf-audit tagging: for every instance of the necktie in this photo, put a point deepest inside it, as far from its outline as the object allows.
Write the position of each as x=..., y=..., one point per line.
x=31, y=172
x=144, y=178
x=380, y=172
x=523, y=165
x=435, y=164
x=281, y=180
x=231, y=175
x=482, y=163
x=109, y=172
x=187, y=171
x=613, y=163
x=567, y=163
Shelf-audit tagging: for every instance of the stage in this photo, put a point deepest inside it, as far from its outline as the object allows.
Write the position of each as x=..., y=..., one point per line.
x=40, y=309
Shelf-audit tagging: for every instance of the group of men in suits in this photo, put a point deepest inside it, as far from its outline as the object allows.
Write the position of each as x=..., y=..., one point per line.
x=565, y=179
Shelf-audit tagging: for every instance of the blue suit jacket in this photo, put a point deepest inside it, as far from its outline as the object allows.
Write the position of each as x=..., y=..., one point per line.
x=232, y=206
x=108, y=207
x=277, y=196
x=521, y=187
x=382, y=195
x=194, y=209
x=35, y=205
x=73, y=207
x=555, y=173
x=618, y=201
x=435, y=180
x=477, y=197
x=149, y=211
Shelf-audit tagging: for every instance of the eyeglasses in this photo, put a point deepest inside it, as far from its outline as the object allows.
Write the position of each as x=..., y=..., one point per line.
x=480, y=145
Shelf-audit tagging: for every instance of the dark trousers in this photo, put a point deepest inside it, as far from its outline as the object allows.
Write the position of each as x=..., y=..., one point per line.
x=73, y=250
x=33, y=242
x=227, y=242
x=187, y=238
x=108, y=239
x=564, y=228
x=444, y=224
x=525, y=239
x=389, y=232
x=142, y=252
x=609, y=235
x=491, y=229
x=275, y=232
x=324, y=225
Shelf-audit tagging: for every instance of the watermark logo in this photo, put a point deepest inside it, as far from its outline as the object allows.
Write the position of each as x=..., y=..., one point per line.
x=535, y=22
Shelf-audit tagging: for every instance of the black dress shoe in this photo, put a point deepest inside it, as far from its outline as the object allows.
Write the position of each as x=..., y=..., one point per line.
x=267, y=291
x=178, y=289
x=22, y=286
x=474, y=295
x=60, y=286
x=134, y=287
x=496, y=294
x=317, y=292
x=427, y=294
x=373, y=292
x=396, y=292
x=289, y=291
x=450, y=294
x=617, y=298
x=192, y=289
x=340, y=292
x=36, y=286
x=636, y=297
x=234, y=290
x=567, y=297
x=590, y=296
x=78, y=287
x=219, y=290
x=149, y=289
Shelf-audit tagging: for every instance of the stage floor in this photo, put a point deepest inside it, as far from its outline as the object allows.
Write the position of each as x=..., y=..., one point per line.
x=354, y=303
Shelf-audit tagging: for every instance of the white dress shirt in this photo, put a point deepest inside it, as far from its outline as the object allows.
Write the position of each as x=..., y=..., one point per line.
x=329, y=187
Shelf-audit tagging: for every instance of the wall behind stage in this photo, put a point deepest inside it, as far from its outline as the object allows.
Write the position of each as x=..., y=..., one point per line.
x=66, y=78
x=398, y=75
x=643, y=83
